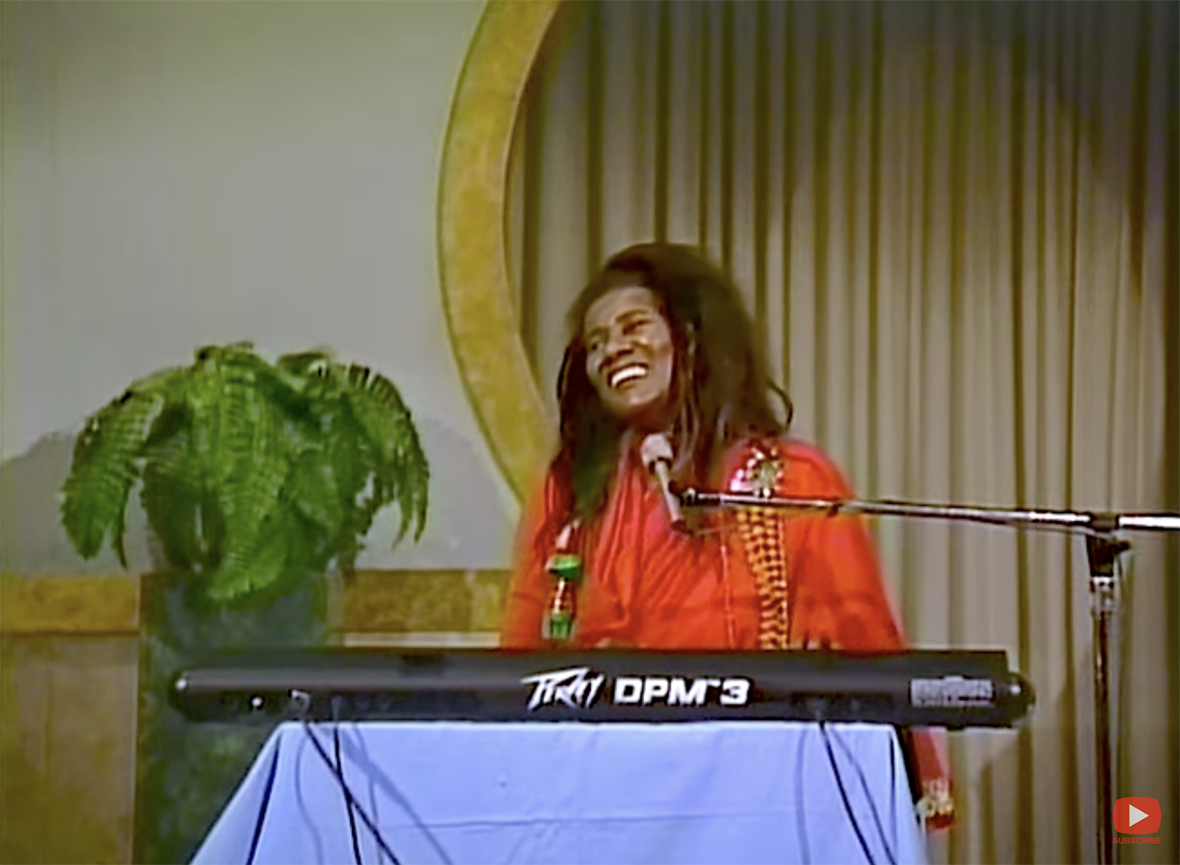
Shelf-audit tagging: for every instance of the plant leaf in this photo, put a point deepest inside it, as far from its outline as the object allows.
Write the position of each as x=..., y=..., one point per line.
x=402, y=472
x=105, y=467
x=254, y=453
x=172, y=493
x=352, y=466
x=261, y=572
x=312, y=491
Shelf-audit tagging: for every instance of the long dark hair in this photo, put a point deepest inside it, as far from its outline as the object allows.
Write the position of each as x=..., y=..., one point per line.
x=721, y=386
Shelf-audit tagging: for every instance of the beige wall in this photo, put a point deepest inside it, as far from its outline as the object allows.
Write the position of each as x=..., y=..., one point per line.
x=176, y=174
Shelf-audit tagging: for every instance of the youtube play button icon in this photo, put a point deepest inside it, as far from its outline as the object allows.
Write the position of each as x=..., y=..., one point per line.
x=1137, y=815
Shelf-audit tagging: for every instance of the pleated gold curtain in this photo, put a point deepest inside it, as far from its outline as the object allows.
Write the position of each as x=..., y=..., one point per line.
x=955, y=224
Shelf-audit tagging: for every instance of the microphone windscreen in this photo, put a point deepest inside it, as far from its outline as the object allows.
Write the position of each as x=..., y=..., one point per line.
x=655, y=448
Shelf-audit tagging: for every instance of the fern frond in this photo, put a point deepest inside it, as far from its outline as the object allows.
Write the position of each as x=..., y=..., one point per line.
x=255, y=453
x=351, y=465
x=222, y=391
x=104, y=469
x=311, y=490
x=307, y=364
x=403, y=473
x=240, y=578
x=172, y=492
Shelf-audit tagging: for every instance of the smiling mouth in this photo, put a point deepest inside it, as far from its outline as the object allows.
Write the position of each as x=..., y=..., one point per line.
x=624, y=375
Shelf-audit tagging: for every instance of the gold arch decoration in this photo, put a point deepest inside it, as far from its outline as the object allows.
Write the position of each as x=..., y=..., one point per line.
x=472, y=238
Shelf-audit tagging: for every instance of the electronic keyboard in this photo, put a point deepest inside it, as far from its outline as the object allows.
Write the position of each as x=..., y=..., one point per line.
x=952, y=689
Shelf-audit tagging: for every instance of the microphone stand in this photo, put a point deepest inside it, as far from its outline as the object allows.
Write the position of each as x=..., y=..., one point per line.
x=1103, y=548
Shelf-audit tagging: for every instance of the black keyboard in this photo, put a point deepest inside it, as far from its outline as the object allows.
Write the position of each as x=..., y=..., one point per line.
x=952, y=689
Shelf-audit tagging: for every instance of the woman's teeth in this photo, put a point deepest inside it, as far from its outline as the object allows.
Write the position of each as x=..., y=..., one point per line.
x=627, y=374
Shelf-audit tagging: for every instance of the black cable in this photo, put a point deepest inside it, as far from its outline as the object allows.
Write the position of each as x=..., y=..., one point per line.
x=400, y=800
x=264, y=805
x=348, y=795
x=356, y=847
x=864, y=785
x=864, y=845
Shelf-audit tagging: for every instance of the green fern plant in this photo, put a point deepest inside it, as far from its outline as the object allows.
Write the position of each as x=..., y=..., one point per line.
x=252, y=474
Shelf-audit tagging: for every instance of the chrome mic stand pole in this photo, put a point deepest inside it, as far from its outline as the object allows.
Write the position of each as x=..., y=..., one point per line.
x=1102, y=551
x=1102, y=548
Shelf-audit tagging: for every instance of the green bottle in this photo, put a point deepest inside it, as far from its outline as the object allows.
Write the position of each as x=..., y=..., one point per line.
x=566, y=570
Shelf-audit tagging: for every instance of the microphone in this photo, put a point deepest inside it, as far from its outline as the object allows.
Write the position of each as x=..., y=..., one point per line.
x=656, y=452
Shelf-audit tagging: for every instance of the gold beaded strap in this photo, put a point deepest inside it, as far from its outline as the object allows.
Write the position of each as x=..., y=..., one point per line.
x=763, y=536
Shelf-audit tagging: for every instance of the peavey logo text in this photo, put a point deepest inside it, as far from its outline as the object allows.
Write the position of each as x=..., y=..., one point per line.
x=580, y=688
x=577, y=688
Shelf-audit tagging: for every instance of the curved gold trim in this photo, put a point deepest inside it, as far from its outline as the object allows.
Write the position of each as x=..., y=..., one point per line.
x=472, y=242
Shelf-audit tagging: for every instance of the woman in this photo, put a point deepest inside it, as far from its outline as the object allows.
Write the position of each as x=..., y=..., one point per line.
x=662, y=343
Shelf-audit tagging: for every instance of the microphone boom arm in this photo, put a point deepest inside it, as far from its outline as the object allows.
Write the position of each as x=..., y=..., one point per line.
x=1103, y=549
x=1081, y=521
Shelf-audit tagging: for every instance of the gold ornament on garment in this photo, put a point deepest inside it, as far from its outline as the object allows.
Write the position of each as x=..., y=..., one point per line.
x=763, y=535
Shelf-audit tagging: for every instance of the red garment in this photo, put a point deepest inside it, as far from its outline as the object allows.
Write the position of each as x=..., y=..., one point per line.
x=648, y=587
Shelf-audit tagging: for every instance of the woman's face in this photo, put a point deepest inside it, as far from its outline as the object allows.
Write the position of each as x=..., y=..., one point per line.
x=629, y=354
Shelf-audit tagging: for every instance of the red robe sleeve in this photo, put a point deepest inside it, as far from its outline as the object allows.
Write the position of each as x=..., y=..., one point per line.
x=528, y=589
x=843, y=603
x=841, y=573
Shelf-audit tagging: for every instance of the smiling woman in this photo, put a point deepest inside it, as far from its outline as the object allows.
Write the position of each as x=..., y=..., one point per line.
x=661, y=344
x=747, y=581
x=629, y=355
